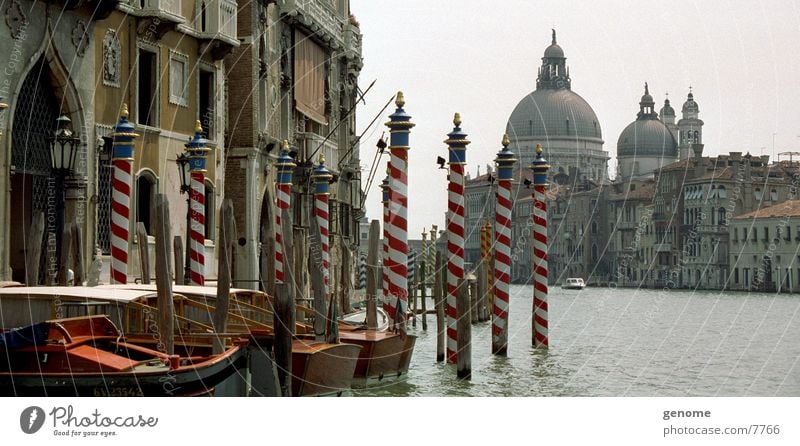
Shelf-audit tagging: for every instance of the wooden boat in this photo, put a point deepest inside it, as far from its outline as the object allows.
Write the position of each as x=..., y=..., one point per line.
x=385, y=356
x=89, y=356
x=135, y=314
x=318, y=368
x=574, y=283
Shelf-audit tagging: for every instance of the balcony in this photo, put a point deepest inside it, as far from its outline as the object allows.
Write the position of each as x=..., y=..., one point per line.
x=318, y=17
x=663, y=247
x=625, y=225
x=713, y=229
x=308, y=142
x=352, y=43
x=215, y=25
x=156, y=16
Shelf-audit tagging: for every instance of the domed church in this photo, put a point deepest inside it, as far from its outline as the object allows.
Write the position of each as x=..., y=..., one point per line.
x=651, y=142
x=561, y=121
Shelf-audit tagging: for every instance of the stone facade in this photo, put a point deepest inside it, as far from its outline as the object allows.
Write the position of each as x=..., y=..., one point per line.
x=263, y=110
x=763, y=252
x=85, y=60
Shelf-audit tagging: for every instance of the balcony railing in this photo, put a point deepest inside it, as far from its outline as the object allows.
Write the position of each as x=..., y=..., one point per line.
x=172, y=7
x=165, y=10
x=663, y=247
x=319, y=17
x=216, y=19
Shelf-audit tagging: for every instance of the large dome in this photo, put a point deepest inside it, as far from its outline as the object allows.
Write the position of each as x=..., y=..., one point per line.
x=647, y=137
x=548, y=113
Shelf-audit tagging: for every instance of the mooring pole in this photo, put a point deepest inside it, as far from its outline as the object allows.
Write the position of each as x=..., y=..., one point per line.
x=399, y=129
x=197, y=149
x=539, y=168
x=438, y=302
x=321, y=178
x=464, y=368
x=457, y=148
x=502, y=249
x=423, y=274
x=283, y=194
x=122, y=159
x=385, y=246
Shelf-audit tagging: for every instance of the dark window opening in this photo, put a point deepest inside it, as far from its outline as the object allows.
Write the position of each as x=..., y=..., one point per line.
x=206, y=106
x=145, y=188
x=147, y=89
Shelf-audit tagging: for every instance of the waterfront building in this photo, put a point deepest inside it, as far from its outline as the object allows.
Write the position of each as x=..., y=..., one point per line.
x=631, y=250
x=85, y=59
x=294, y=78
x=763, y=254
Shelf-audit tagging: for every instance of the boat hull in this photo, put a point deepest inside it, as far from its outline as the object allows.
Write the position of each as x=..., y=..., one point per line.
x=196, y=380
x=320, y=369
x=384, y=357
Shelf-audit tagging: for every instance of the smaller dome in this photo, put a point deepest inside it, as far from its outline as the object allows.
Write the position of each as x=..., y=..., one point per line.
x=690, y=106
x=667, y=109
x=554, y=51
x=646, y=98
x=647, y=137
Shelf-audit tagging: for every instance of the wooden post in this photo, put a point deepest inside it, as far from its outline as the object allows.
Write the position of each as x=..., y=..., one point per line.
x=438, y=301
x=284, y=309
x=345, y=283
x=177, y=256
x=66, y=253
x=372, y=274
x=317, y=282
x=77, y=255
x=413, y=289
x=166, y=310
x=464, y=370
x=144, y=256
x=34, y=252
x=483, y=314
x=473, y=301
x=268, y=256
x=227, y=235
x=422, y=292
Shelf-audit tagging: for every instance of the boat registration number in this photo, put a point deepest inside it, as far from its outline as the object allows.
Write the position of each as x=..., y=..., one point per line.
x=117, y=391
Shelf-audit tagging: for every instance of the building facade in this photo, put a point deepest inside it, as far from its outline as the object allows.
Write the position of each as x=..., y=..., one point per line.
x=294, y=78
x=85, y=59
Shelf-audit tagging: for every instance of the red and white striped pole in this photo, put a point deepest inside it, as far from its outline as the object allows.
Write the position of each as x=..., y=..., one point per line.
x=321, y=178
x=385, y=270
x=197, y=148
x=285, y=166
x=502, y=249
x=399, y=129
x=457, y=148
x=540, y=168
x=122, y=160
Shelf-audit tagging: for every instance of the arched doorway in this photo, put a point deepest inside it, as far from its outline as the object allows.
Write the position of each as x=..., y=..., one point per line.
x=32, y=187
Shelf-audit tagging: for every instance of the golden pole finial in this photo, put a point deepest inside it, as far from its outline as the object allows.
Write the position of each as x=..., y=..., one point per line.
x=538, y=148
x=285, y=144
x=505, y=141
x=198, y=128
x=457, y=119
x=400, y=101
x=124, y=113
x=321, y=158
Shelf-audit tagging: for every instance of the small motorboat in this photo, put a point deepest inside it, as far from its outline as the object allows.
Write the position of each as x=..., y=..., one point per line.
x=574, y=283
x=358, y=320
x=89, y=356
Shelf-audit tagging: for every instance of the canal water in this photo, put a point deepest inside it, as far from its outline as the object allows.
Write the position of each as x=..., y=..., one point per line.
x=626, y=342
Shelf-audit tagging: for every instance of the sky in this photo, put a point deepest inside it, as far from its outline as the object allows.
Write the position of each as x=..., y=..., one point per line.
x=472, y=57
